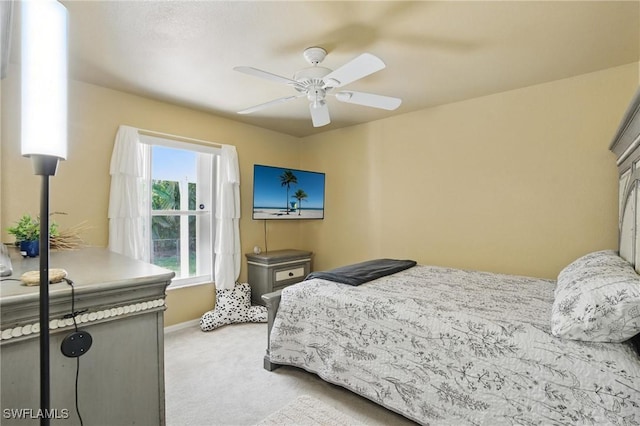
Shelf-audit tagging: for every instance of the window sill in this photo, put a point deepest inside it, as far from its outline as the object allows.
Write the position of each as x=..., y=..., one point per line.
x=179, y=286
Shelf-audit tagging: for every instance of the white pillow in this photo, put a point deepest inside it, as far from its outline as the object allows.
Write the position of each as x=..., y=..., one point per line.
x=597, y=299
x=233, y=306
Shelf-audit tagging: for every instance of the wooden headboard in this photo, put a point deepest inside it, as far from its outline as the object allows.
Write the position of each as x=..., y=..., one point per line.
x=626, y=146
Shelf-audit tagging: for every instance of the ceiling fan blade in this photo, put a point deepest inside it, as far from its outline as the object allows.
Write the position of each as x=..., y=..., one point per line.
x=264, y=74
x=268, y=104
x=319, y=113
x=369, y=99
x=356, y=69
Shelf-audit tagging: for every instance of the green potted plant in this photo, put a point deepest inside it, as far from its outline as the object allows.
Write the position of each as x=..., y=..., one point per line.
x=27, y=233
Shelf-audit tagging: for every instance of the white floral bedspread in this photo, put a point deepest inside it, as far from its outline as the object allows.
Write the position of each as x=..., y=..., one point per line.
x=448, y=347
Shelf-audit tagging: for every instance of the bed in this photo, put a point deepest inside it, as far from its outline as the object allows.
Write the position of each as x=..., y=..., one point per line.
x=449, y=346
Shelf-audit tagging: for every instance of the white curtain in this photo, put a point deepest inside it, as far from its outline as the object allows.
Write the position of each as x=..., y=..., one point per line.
x=227, y=244
x=129, y=208
x=129, y=196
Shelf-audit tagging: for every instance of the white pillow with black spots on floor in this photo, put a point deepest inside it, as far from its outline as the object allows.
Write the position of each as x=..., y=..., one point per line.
x=233, y=306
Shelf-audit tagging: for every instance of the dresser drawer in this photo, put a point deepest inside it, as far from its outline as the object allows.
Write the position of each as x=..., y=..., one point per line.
x=288, y=274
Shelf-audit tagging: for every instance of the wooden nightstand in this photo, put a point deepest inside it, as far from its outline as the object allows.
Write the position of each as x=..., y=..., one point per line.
x=275, y=270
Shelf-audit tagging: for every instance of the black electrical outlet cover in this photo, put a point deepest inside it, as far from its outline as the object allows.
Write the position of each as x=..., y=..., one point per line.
x=76, y=344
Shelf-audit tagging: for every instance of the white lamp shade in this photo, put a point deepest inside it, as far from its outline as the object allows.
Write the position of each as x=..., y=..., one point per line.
x=44, y=78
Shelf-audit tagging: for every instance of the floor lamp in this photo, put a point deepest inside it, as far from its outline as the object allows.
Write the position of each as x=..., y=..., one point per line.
x=44, y=135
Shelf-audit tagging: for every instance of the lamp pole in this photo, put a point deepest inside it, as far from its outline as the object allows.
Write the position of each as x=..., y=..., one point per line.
x=44, y=136
x=45, y=166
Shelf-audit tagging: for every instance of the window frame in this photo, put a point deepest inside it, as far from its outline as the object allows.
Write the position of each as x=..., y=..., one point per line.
x=207, y=162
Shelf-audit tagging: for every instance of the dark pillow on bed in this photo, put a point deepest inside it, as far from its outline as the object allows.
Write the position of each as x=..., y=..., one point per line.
x=597, y=299
x=360, y=273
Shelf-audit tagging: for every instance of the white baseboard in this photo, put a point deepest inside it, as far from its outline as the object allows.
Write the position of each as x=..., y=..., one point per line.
x=181, y=326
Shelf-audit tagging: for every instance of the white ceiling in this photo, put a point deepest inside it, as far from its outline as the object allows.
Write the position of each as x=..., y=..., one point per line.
x=436, y=52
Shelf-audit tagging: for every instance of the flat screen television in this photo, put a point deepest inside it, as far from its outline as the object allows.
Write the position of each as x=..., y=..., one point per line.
x=284, y=193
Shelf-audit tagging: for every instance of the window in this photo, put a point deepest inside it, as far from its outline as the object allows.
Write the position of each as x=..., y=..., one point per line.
x=181, y=209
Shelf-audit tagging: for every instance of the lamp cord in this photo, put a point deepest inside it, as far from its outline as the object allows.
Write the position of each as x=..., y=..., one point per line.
x=73, y=315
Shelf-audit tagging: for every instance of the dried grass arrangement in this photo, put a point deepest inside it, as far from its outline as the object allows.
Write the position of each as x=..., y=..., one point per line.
x=68, y=238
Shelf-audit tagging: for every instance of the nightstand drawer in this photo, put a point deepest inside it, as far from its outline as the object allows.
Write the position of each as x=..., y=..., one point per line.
x=275, y=270
x=287, y=274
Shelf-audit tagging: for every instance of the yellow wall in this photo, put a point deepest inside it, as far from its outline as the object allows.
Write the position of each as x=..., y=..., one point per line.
x=81, y=186
x=518, y=182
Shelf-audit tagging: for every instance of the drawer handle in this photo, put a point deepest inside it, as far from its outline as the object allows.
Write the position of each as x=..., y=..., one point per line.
x=290, y=274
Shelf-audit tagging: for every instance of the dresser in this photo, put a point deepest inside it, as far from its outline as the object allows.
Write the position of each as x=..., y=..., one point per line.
x=275, y=270
x=121, y=304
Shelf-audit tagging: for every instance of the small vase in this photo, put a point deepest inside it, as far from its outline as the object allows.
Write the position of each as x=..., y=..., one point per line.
x=29, y=248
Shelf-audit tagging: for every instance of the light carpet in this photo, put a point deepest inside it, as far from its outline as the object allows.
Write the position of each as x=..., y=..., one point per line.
x=308, y=411
x=217, y=379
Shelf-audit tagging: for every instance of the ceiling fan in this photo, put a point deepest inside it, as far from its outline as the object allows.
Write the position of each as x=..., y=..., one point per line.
x=316, y=82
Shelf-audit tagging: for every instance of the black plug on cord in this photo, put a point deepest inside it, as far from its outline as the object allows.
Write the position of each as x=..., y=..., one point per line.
x=76, y=344
x=80, y=341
